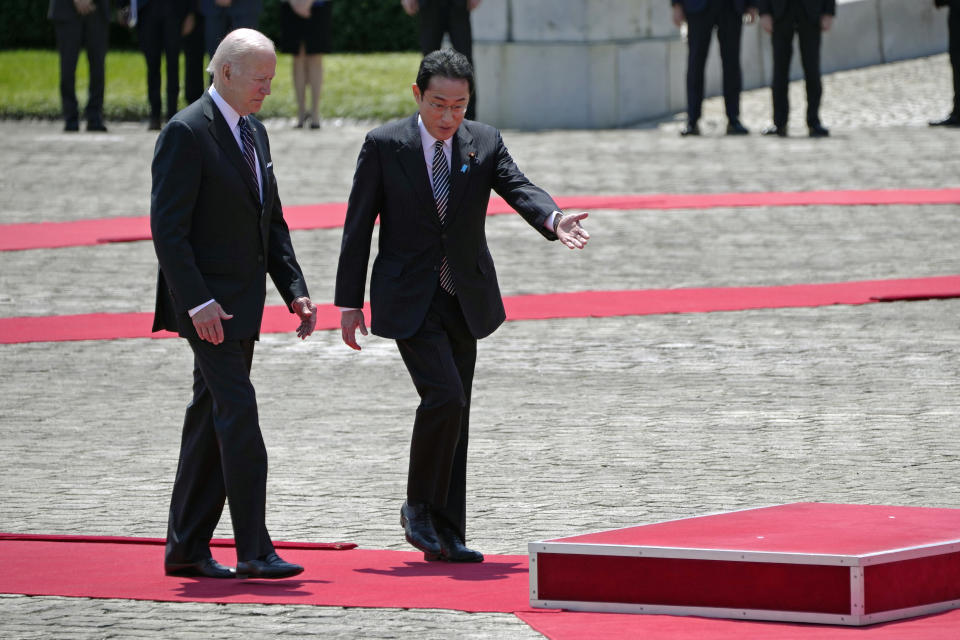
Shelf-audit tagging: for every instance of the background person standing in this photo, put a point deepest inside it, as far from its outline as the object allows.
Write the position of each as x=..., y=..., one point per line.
x=220, y=17
x=452, y=17
x=81, y=24
x=702, y=17
x=808, y=19
x=953, y=26
x=305, y=27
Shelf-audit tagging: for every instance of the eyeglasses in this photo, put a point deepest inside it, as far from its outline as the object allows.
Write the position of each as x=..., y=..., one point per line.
x=455, y=109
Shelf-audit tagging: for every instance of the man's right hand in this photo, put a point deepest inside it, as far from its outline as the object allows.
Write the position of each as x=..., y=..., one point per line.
x=208, y=324
x=84, y=7
x=678, y=16
x=350, y=321
x=766, y=22
x=411, y=7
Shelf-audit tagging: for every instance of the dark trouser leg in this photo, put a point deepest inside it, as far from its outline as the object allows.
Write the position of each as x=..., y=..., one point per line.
x=96, y=34
x=172, y=25
x=69, y=40
x=440, y=358
x=222, y=456
x=782, y=40
x=215, y=26
x=953, y=24
x=699, y=32
x=729, y=28
x=194, y=74
x=150, y=33
x=461, y=37
x=809, y=33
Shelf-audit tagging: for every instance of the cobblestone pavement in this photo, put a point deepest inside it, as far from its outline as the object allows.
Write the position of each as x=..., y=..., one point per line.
x=579, y=424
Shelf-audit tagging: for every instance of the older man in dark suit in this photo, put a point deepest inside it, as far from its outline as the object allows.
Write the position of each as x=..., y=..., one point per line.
x=434, y=288
x=702, y=17
x=218, y=230
x=953, y=25
x=81, y=24
x=808, y=19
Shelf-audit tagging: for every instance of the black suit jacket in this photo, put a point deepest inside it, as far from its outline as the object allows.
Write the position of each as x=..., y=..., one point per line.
x=391, y=180
x=814, y=8
x=65, y=10
x=213, y=237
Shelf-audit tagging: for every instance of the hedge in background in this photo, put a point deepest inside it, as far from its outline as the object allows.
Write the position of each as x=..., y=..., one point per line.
x=358, y=26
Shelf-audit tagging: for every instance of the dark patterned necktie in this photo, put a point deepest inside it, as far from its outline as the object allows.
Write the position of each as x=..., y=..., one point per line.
x=441, y=193
x=246, y=137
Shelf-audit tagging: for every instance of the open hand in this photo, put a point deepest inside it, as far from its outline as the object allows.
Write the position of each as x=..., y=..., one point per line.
x=570, y=233
x=350, y=321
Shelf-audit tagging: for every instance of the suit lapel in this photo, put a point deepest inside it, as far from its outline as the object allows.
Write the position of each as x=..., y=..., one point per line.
x=462, y=159
x=410, y=156
x=224, y=137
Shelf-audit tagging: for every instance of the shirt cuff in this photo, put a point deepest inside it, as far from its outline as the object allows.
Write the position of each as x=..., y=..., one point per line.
x=548, y=223
x=197, y=308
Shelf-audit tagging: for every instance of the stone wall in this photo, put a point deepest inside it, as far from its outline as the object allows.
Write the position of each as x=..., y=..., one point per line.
x=545, y=64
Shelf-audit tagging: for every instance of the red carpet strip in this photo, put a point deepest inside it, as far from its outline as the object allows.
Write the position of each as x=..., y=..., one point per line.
x=128, y=568
x=51, y=235
x=583, y=304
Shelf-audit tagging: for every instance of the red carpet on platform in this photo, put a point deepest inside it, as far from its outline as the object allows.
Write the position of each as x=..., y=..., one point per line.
x=51, y=235
x=584, y=304
x=130, y=568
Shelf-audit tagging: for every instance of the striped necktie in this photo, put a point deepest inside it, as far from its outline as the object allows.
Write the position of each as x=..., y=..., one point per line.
x=441, y=193
x=246, y=137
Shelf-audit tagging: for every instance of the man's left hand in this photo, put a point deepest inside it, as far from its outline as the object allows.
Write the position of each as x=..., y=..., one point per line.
x=307, y=311
x=570, y=233
x=826, y=21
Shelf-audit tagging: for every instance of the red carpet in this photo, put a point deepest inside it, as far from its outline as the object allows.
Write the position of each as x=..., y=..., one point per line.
x=585, y=304
x=130, y=568
x=51, y=235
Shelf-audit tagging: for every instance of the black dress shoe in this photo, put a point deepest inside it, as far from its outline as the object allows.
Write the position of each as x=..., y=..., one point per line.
x=154, y=124
x=71, y=126
x=736, y=128
x=690, y=129
x=949, y=121
x=819, y=131
x=270, y=566
x=96, y=126
x=208, y=568
x=780, y=132
x=418, y=527
x=452, y=548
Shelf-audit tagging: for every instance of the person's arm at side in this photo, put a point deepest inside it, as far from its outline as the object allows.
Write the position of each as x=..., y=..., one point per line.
x=176, y=183
x=679, y=17
x=363, y=207
x=829, y=10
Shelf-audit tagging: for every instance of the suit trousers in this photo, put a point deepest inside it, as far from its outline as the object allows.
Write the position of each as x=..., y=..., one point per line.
x=700, y=25
x=158, y=27
x=438, y=17
x=222, y=457
x=194, y=71
x=92, y=33
x=795, y=21
x=440, y=358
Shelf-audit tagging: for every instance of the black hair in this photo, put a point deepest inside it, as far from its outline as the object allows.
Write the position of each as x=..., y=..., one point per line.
x=445, y=63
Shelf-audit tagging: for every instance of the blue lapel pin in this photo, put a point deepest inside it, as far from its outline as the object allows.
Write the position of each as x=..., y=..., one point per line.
x=463, y=169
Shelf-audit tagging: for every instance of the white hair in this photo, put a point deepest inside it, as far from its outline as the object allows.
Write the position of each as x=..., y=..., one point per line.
x=235, y=47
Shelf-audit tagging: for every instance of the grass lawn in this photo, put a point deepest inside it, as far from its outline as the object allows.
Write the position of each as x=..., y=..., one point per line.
x=361, y=86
